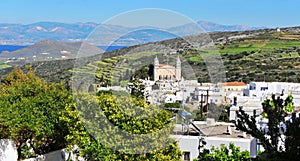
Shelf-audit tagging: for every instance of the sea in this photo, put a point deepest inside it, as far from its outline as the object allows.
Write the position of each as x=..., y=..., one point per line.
x=11, y=48
x=110, y=48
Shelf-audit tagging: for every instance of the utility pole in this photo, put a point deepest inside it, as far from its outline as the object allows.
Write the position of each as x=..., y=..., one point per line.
x=201, y=105
x=207, y=101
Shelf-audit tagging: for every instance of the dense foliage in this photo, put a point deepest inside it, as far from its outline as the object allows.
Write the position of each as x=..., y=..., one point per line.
x=29, y=113
x=137, y=89
x=42, y=117
x=144, y=72
x=224, y=153
x=120, y=130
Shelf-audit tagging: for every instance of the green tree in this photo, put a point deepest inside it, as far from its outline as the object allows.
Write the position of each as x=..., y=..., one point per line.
x=172, y=105
x=224, y=153
x=45, y=117
x=29, y=113
x=97, y=140
x=137, y=88
x=143, y=73
x=228, y=153
x=275, y=110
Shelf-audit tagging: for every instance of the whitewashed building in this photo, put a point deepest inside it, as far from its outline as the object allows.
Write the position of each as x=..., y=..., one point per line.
x=214, y=134
x=257, y=92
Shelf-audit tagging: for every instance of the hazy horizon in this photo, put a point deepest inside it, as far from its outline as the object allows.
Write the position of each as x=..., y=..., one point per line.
x=254, y=13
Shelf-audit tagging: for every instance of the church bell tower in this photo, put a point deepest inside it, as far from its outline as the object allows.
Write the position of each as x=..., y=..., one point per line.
x=156, y=65
x=178, y=68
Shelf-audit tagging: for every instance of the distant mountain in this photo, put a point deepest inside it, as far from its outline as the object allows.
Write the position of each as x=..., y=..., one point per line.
x=52, y=49
x=212, y=27
x=19, y=34
x=143, y=36
x=205, y=26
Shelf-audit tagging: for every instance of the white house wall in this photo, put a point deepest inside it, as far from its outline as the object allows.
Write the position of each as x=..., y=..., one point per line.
x=8, y=150
x=191, y=143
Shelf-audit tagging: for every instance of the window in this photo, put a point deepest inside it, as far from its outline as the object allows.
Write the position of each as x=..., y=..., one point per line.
x=186, y=156
x=252, y=87
x=264, y=88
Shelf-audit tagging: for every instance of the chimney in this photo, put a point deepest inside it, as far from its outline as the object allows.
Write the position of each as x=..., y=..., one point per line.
x=244, y=134
x=229, y=132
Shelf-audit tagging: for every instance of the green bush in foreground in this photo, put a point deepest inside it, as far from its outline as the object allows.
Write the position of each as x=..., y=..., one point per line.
x=224, y=153
x=42, y=117
x=29, y=113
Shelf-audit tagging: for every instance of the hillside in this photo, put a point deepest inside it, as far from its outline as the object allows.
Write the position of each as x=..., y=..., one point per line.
x=262, y=55
x=47, y=49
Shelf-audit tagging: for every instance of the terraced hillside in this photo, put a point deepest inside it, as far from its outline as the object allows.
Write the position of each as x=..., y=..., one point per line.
x=268, y=56
x=118, y=70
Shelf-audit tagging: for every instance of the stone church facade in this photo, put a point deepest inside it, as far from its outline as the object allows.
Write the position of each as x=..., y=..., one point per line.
x=167, y=72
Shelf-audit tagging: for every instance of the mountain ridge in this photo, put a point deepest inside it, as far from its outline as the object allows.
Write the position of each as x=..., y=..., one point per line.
x=28, y=34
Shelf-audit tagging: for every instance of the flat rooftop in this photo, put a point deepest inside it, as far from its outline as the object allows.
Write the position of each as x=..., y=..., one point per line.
x=219, y=129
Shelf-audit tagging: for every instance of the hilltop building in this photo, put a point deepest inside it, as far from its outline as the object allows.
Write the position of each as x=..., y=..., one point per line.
x=167, y=72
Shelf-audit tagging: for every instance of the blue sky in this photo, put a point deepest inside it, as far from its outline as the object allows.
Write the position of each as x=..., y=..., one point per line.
x=269, y=13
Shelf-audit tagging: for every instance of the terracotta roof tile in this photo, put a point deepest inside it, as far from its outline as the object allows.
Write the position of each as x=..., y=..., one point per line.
x=234, y=84
x=165, y=65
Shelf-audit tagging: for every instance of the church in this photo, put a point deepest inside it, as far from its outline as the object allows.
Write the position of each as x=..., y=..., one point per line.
x=167, y=72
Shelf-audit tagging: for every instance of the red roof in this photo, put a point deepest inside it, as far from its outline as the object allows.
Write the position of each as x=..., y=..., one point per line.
x=165, y=65
x=234, y=84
